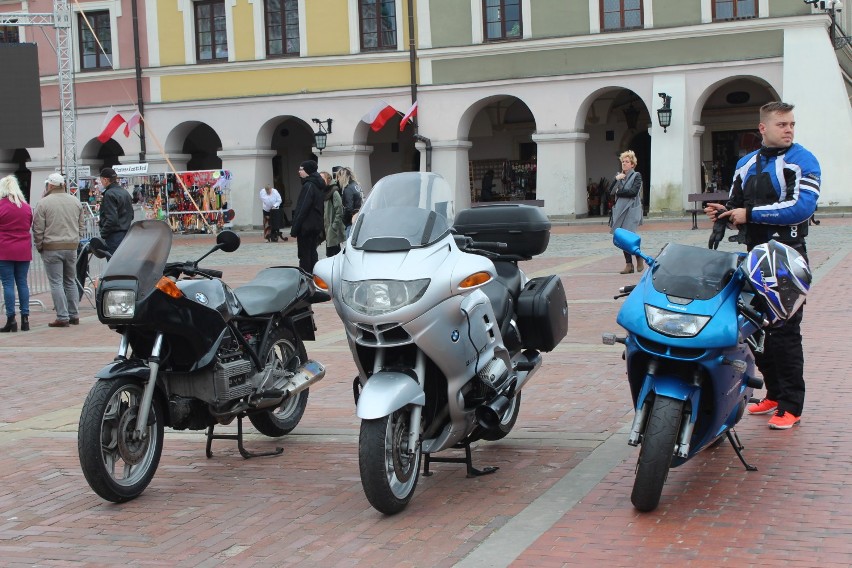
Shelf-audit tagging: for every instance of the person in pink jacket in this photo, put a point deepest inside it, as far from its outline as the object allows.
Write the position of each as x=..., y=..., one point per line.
x=16, y=251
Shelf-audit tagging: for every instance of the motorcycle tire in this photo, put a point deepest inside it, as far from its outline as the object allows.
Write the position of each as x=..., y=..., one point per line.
x=116, y=467
x=505, y=426
x=288, y=351
x=388, y=475
x=655, y=457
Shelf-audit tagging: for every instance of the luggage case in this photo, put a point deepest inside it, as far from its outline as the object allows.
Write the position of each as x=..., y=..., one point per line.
x=543, y=313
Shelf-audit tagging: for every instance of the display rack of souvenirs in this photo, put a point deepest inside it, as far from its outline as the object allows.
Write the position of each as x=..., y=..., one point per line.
x=513, y=179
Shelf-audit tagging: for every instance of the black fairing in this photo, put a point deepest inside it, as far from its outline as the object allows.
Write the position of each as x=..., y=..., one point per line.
x=213, y=294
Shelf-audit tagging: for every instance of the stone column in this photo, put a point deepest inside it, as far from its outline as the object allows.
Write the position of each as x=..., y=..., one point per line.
x=561, y=173
x=670, y=150
x=692, y=175
x=250, y=169
x=354, y=157
x=450, y=161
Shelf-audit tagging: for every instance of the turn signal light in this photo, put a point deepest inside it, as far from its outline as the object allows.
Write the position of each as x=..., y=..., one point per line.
x=167, y=286
x=320, y=283
x=475, y=279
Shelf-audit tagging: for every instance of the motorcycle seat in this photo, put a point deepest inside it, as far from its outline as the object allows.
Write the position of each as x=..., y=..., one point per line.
x=271, y=290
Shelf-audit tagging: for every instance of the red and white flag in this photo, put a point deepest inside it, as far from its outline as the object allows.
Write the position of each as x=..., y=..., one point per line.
x=379, y=116
x=132, y=122
x=408, y=116
x=112, y=123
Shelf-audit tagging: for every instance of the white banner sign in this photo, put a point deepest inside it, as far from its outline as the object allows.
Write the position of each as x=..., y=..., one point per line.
x=130, y=169
x=82, y=171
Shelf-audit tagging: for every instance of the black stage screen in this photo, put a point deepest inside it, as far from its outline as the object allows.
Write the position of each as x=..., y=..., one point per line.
x=20, y=97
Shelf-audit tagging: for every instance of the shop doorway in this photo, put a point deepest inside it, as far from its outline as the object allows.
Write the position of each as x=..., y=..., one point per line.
x=503, y=153
x=202, y=144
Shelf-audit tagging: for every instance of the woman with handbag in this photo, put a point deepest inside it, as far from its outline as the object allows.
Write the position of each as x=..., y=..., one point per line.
x=627, y=211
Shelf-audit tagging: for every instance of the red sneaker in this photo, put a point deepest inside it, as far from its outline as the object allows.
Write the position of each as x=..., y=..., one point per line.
x=765, y=406
x=783, y=420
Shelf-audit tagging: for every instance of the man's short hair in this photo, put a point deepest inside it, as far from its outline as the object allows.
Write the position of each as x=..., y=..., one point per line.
x=774, y=106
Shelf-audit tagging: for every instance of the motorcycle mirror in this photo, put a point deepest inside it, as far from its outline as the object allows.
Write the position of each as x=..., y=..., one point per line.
x=627, y=241
x=98, y=247
x=228, y=241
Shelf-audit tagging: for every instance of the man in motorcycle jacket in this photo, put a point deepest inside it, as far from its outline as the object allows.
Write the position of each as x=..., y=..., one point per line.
x=774, y=193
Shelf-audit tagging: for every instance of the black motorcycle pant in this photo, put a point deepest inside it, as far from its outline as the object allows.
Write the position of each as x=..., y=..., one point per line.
x=782, y=364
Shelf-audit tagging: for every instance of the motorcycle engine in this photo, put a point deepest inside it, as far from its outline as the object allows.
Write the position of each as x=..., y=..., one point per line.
x=494, y=374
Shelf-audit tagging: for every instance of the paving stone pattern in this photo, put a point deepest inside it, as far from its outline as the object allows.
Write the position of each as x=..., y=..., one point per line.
x=560, y=498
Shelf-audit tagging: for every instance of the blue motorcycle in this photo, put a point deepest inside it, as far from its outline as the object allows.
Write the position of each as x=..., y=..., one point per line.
x=691, y=326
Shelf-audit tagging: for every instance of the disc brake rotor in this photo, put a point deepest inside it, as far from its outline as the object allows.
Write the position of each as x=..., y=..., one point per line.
x=131, y=451
x=401, y=461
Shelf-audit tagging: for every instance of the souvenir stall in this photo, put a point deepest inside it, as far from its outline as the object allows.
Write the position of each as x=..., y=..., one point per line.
x=190, y=201
x=513, y=180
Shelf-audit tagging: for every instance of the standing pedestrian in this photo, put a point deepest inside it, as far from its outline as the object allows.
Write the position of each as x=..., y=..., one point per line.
x=627, y=211
x=352, y=197
x=774, y=194
x=487, y=192
x=308, y=215
x=16, y=251
x=116, y=212
x=57, y=229
x=332, y=216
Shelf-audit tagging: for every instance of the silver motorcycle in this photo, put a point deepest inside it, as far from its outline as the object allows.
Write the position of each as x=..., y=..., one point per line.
x=444, y=327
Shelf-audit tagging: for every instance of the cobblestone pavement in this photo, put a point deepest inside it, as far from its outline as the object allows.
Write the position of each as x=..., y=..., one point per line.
x=560, y=498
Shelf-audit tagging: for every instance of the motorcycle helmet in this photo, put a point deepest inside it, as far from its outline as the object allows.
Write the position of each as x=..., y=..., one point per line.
x=781, y=277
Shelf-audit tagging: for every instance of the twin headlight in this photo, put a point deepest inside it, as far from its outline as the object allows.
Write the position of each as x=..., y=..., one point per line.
x=674, y=324
x=119, y=303
x=377, y=297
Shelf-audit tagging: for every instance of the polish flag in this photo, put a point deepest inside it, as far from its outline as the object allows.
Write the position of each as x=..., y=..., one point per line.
x=112, y=123
x=132, y=122
x=379, y=115
x=409, y=115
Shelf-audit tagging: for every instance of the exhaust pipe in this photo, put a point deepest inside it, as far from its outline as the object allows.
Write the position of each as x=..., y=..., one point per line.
x=306, y=375
x=489, y=415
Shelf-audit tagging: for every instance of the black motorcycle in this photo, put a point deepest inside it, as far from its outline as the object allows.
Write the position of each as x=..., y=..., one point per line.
x=193, y=354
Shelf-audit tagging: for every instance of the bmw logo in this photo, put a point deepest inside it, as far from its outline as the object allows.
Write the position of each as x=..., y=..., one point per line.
x=454, y=335
x=200, y=298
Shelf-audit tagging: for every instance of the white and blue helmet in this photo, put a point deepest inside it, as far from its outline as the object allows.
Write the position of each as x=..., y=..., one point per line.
x=781, y=277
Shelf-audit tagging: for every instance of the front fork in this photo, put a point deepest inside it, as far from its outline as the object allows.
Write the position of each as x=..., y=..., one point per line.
x=416, y=410
x=141, y=430
x=687, y=425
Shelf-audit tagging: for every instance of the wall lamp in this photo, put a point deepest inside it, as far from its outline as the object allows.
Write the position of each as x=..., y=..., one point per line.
x=664, y=114
x=839, y=39
x=321, y=135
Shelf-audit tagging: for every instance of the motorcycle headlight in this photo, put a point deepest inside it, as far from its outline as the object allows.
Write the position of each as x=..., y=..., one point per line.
x=673, y=323
x=377, y=297
x=119, y=303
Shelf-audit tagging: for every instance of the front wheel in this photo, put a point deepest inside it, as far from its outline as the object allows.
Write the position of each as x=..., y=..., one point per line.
x=655, y=458
x=117, y=466
x=389, y=472
x=286, y=352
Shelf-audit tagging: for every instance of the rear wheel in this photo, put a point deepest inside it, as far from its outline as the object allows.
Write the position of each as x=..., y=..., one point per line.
x=388, y=472
x=655, y=458
x=117, y=466
x=286, y=352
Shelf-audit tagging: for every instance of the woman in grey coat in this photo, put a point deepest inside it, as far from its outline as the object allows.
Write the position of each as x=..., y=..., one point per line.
x=627, y=211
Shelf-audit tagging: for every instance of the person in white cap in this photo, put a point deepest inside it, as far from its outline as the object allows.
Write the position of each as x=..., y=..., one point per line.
x=57, y=229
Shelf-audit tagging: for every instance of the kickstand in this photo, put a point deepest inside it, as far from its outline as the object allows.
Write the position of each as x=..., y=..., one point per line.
x=467, y=460
x=737, y=445
x=239, y=438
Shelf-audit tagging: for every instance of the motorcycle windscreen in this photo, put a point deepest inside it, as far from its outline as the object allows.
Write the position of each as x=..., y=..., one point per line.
x=142, y=255
x=693, y=272
x=404, y=211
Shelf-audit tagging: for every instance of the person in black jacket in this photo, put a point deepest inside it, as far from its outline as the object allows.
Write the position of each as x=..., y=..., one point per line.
x=116, y=212
x=308, y=216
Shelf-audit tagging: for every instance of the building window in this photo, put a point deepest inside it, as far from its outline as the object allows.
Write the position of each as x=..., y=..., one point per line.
x=378, y=24
x=92, y=55
x=282, y=27
x=621, y=14
x=9, y=34
x=734, y=9
x=502, y=19
x=211, y=39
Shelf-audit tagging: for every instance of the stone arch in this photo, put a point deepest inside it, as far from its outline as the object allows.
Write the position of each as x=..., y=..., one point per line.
x=291, y=138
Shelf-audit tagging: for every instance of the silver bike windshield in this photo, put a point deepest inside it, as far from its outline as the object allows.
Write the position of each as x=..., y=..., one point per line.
x=405, y=211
